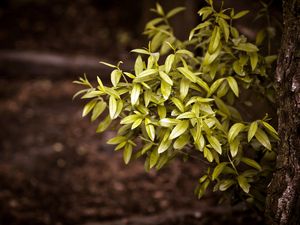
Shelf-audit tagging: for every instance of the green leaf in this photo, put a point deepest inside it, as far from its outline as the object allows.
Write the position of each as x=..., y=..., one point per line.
x=225, y=28
x=182, y=141
x=150, y=131
x=154, y=156
x=233, y=85
x=186, y=115
x=263, y=138
x=253, y=60
x=202, y=84
x=225, y=184
x=88, y=107
x=269, y=128
x=169, y=62
x=164, y=145
x=141, y=51
x=119, y=108
x=208, y=155
x=146, y=147
x=215, y=86
x=159, y=9
x=260, y=37
x=222, y=106
x=146, y=75
x=115, y=77
x=104, y=124
x=127, y=153
x=167, y=122
x=138, y=66
x=243, y=183
x=185, y=52
x=129, y=119
x=116, y=140
x=218, y=170
x=162, y=111
x=108, y=64
x=247, y=47
x=251, y=162
x=135, y=94
x=178, y=104
x=234, y=131
x=147, y=97
x=173, y=12
x=270, y=59
x=136, y=123
x=188, y=74
x=179, y=129
x=240, y=14
x=98, y=110
x=214, y=142
x=252, y=130
x=165, y=77
x=234, y=147
x=165, y=89
x=209, y=58
x=112, y=107
x=184, y=88
x=215, y=40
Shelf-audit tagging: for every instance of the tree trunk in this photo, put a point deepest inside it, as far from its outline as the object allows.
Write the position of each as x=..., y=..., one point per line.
x=283, y=200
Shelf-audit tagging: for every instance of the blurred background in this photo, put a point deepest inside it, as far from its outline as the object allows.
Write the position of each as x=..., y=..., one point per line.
x=54, y=169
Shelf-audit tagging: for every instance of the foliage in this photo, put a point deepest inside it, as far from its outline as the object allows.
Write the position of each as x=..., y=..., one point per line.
x=176, y=102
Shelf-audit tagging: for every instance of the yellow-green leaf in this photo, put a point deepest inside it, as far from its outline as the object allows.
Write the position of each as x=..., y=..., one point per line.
x=251, y=162
x=135, y=93
x=240, y=14
x=252, y=130
x=243, y=183
x=104, y=124
x=138, y=66
x=98, y=110
x=214, y=142
x=233, y=85
x=154, y=156
x=88, y=107
x=127, y=153
x=234, y=147
x=169, y=62
x=165, y=77
x=234, y=131
x=182, y=141
x=262, y=137
x=165, y=89
x=215, y=40
x=112, y=107
x=179, y=129
x=173, y=12
x=188, y=74
x=218, y=170
x=115, y=77
x=150, y=131
x=253, y=60
x=116, y=140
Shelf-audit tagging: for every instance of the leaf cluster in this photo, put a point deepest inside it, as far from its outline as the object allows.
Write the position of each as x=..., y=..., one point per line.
x=174, y=102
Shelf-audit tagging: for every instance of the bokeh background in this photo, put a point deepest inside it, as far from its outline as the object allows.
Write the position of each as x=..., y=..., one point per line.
x=54, y=169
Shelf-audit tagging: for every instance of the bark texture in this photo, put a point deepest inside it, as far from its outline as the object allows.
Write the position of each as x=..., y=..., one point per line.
x=283, y=200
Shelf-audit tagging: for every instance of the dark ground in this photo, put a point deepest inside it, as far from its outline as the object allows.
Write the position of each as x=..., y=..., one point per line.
x=54, y=169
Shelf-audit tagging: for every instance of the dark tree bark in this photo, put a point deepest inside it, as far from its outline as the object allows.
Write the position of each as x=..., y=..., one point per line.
x=283, y=200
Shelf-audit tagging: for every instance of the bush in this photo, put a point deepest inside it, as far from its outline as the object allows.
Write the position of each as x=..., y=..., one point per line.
x=180, y=99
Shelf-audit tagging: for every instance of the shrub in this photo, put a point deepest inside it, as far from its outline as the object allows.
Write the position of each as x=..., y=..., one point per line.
x=180, y=99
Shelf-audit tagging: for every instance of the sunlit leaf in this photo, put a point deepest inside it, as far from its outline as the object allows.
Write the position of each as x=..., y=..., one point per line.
x=179, y=129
